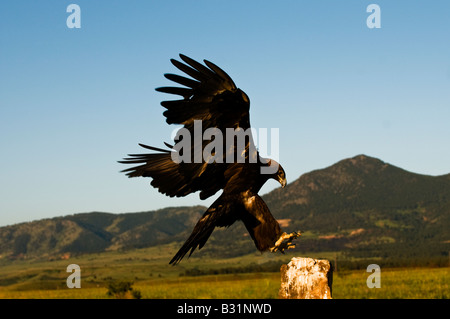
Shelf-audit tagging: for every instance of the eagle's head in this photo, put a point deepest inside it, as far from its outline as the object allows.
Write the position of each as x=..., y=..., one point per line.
x=279, y=175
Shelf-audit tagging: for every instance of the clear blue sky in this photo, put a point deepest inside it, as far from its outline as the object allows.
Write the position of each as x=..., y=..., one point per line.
x=74, y=101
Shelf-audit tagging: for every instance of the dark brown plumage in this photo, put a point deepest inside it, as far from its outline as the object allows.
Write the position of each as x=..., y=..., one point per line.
x=211, y=97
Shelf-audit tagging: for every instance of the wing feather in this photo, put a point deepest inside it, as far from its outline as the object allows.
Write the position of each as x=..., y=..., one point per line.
x=189, y=71
x=182, y=80
x=186, y=93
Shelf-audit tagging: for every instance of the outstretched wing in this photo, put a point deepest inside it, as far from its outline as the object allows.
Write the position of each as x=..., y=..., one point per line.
x=165, y=173
x=176, y=179
x=209, y=96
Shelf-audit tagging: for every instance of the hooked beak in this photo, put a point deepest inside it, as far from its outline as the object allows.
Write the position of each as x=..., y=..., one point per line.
x=283, y=182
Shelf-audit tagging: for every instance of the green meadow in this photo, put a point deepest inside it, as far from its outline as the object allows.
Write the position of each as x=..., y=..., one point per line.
x=201, y=277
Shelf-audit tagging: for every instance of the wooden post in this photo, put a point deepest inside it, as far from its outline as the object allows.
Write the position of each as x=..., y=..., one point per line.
x=306, y=278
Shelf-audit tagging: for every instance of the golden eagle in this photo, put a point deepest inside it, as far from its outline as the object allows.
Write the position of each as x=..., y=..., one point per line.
x=212, y=105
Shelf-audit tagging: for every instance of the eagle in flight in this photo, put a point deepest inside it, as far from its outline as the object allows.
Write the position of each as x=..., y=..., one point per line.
x=211, y=102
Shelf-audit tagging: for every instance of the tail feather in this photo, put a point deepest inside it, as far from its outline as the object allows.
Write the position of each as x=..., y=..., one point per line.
x=220, y=214
x=194, y=241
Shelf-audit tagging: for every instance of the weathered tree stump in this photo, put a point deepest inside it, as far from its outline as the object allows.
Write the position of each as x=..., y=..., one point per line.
x=306, y=278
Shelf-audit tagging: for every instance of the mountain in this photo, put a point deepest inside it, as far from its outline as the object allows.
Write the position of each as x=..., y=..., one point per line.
x=368, y=207
x=361, y=206
x=96, y=232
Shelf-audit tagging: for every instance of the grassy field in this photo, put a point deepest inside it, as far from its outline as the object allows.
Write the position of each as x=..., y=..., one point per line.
x=154, y=278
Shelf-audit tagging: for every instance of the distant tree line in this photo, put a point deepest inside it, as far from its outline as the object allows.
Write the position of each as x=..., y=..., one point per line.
x=344, y=264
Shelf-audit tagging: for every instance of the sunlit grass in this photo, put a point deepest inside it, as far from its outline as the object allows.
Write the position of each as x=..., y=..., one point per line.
x=428, y=283
x=242, y=286
x=151, y=275
x=405, y=283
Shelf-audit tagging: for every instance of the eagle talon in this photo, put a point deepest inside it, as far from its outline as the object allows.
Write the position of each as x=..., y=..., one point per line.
x=281, y=245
